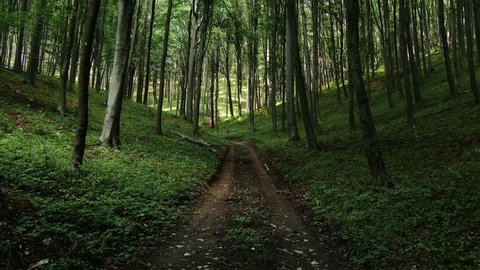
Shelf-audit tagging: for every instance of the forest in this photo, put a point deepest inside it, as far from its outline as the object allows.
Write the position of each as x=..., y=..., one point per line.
x=239, y=134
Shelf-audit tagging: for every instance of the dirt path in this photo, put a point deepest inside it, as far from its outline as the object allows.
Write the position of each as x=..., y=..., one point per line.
x=246, y=223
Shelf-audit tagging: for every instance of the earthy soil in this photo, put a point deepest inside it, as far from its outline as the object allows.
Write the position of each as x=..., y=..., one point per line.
x=293, y=240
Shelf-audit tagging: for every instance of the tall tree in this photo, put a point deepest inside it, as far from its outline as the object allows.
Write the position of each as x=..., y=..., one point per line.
x=204, y=26
x=36, y=42
x=163, y=62
x=85, y=63
x=111, y=125
x=290, y=81
x=470, y=60
x=299, y=78
x=373, y=152
x=66, y=56
x=149, y=51
x=406, y=67
x=18, y=64
x=446, y=53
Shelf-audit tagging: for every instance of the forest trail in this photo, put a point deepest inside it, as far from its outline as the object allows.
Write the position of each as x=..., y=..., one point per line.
x=245, y=222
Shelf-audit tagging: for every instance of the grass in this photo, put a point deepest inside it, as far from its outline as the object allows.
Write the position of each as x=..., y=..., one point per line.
x=113, y=209
x=431, y=218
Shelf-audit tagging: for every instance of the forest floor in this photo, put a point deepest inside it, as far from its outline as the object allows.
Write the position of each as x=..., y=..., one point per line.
x=247, y=221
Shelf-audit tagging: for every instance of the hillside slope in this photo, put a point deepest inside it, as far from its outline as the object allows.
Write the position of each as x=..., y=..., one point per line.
x=431, y=218
x=111, y=210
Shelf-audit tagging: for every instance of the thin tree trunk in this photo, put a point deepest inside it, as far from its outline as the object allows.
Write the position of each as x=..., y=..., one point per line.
x=404, y=29
x=35, y=43
x=471, y=65
x=82, y=126
x=17, y=66
x=67, y=53
x=373, y=152
x=446, y=52
x=227, y=76
x=162, y=67
x=411, y=54
x=290, y=79
x=149, y=50
x=208, y=10
x=299, y=78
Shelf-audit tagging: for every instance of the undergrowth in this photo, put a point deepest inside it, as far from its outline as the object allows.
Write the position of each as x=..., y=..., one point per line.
x=109, y=212
x=431, y=218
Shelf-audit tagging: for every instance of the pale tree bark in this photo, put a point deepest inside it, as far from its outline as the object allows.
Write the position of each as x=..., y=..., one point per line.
x=373, y=152
x=85, y=63
x=111, y=125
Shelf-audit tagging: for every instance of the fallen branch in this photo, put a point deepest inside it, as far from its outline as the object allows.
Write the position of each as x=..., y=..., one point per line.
x=196, y=141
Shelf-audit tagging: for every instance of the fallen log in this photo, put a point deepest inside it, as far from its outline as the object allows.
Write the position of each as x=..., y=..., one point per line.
x=196, y=141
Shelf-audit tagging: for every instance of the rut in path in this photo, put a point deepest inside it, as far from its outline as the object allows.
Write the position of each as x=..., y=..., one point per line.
x=291, y=242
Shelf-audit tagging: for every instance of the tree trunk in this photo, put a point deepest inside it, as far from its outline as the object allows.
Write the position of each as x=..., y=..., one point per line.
x=82, y=125
x=67, y=54
x=315, y=65
x=35, y=43
x=471, y=65
x=289, y=76
x=162, y=67
x=373, y=152
x=191, y=60
x=411, y=56
x=17, y=66
x=76, y=47
x=111, y=126
x=141, y=63
x=208, y=10
x=149, y=50
x=404, y=29
x=227, y=77
x=476, y=11
x=446, y=52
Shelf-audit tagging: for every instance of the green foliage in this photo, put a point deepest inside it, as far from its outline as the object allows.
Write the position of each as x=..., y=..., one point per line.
x=111, y=210
x=430, y=220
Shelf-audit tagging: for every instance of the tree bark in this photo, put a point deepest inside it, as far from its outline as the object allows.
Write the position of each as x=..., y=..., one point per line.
x=67, y=54
x=446, y=53
x=17, y=66
x=373, y=152
x=35, y=43
x=290, y=79
x=470, y=60
x=85, y=62
x=404, y=29
x=162, y=67
x=111, y=125
x=149, y=50
x=208, y=10
x=299, y=78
